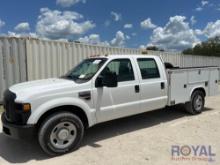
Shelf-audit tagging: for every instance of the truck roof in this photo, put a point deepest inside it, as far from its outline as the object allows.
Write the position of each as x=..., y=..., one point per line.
x=114, y=56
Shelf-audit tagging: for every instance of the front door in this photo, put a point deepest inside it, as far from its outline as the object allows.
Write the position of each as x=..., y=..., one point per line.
x=112, y=103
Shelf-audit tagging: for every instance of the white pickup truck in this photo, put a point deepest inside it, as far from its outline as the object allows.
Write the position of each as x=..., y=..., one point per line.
x=99, y=89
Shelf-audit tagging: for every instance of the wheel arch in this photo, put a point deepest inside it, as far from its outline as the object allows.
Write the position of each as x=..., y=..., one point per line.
x=202, y=89
x=66, y=108
x=189, y=106
x=75, y=106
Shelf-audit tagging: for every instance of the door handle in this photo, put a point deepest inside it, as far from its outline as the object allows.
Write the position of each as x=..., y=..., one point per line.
x=162, y=85
x=137, y=88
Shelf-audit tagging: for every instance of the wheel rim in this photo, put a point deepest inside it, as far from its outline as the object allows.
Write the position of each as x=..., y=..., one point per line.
x=198, y=103
x=63, y=135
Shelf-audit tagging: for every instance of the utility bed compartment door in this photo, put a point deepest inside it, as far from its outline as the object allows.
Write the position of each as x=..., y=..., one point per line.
x=182, y=82
x=177, y=87
x=213, y=84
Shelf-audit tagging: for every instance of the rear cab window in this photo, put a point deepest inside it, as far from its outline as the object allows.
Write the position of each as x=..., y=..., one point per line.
x=148, y=68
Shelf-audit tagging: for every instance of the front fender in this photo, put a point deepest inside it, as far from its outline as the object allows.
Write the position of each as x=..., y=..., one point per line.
x=45, y=107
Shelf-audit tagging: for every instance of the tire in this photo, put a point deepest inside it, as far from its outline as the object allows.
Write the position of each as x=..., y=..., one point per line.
x=196, y=104
x=60, y=133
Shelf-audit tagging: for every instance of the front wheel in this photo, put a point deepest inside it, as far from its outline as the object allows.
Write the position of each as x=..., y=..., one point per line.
x=60, y=133
x=196, y=104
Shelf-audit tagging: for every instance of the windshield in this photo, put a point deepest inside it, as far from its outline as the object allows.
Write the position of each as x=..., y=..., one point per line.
x=85, y=70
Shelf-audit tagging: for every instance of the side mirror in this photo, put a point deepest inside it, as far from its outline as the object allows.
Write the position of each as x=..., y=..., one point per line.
x=99, y=82
x=108, y=80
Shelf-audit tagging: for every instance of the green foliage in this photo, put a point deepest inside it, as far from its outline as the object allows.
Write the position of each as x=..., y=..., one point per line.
x=1, y=109
x=207, y=48
x=144, y=52
x=154, y=48
x=151, y=48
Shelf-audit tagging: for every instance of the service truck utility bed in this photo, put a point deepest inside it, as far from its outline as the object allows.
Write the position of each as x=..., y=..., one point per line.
x=182, y=81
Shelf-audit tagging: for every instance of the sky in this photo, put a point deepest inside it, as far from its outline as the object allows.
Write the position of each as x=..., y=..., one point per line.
x=170, y=25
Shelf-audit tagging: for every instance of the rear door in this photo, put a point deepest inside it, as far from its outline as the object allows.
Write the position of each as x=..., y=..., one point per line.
x=153, y=84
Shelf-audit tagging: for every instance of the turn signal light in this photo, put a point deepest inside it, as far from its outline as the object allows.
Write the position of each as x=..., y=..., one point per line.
x=26, y=107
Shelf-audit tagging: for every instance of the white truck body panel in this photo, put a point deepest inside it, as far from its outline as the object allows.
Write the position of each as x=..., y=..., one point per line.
x=182, y=83
x=46, y=94
x=112, y=103
x=152, y=96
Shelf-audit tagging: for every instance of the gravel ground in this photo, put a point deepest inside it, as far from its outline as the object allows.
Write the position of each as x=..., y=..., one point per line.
x=142, y=139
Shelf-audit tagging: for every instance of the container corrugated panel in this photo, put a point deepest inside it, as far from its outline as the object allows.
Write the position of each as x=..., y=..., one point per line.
x=47, y=59
x=12, y=63
x=2, y=72
x=171, y=57
x=178, y=59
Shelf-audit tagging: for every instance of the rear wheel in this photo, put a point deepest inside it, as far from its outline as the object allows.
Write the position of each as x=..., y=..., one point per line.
x=196, y=104
x=61, y=133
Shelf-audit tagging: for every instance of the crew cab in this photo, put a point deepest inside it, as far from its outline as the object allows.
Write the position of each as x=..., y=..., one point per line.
x=58, y=110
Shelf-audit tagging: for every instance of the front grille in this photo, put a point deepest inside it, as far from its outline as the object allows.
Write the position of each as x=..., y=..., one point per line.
x=13, y=111
x=7, y=110
x=9, y=105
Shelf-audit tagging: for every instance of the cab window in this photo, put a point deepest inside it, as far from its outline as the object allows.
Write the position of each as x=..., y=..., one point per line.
x=122, y=68
x=148, y=68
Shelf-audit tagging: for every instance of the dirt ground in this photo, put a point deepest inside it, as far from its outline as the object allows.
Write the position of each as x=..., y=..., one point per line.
x=142, y=139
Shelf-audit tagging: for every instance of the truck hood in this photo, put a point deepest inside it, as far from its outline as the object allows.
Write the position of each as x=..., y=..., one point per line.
x=33, y=88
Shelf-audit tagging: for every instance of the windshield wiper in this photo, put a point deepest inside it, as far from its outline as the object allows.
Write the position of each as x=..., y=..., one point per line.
x=69, y=77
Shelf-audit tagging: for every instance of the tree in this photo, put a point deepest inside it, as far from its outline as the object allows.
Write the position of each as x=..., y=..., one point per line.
x=154, y=48
x=211, y=47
